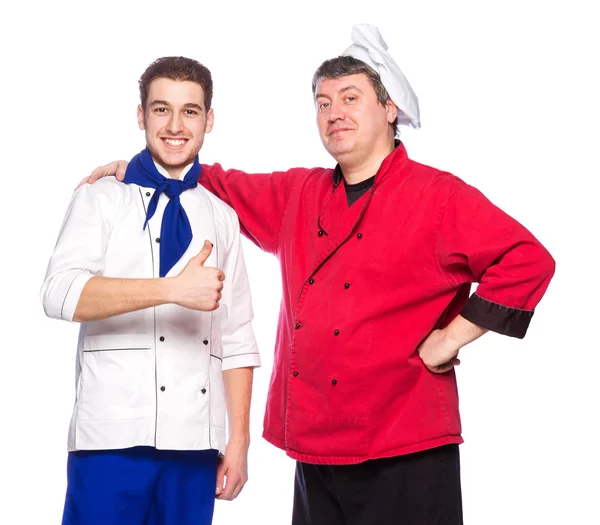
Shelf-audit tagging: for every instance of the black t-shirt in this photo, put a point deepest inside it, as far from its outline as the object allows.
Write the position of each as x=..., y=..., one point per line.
x=356, y=191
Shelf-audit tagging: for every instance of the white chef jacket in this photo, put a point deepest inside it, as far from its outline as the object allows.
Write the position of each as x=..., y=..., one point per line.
x=150, y=377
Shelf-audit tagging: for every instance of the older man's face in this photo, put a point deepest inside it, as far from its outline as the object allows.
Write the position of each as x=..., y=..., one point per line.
x=352, y=122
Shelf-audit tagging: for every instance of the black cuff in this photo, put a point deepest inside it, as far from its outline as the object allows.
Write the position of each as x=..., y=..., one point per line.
x=496, y=317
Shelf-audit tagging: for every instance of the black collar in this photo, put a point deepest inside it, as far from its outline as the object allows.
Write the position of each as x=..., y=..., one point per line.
x=337, y=172
x=337, y=176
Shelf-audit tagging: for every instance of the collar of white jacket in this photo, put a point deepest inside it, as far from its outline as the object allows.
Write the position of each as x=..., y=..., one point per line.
x=370, y=47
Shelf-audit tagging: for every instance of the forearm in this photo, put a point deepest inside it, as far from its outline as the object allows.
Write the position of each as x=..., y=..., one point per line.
x=104, y=297
x=238, y=394
x=461, y=332
x=440, y=348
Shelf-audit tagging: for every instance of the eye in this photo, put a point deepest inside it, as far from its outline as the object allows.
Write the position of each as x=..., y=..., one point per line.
x=350, y=99
x=191, y=112
x=160, y=110
x=323, y=106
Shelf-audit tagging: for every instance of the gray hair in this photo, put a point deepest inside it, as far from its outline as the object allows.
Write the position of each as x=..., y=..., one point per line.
x=346, y=65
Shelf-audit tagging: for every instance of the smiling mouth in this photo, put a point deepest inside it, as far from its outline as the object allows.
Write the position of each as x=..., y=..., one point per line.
x=339, y=131
x=174, y=143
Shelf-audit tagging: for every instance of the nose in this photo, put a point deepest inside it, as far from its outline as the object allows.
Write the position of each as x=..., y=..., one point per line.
x=175, y=124
x=336, y=112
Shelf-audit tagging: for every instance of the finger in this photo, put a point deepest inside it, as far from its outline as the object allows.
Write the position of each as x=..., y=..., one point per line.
x=102, y=171
x=82, y=182
x=445, y=367
x=204, y=253
x=220, y=275
x=220, y=479
x=230, y=485
x=210, y=305
x=121, y=169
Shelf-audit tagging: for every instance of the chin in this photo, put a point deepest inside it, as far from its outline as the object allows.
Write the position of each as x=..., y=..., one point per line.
x=340, y=149
x=175, y=159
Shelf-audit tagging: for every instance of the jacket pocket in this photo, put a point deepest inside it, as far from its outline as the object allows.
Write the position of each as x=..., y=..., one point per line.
x=117, y=377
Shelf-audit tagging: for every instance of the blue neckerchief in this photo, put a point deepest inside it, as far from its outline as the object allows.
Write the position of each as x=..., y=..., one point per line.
x=175, y=230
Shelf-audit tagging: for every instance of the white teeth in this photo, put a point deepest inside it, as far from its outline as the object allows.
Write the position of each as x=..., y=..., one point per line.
x=174, y=142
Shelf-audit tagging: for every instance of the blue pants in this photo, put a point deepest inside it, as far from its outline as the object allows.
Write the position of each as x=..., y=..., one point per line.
x=140, y=486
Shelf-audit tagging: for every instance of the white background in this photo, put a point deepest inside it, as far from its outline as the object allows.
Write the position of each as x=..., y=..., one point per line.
x=509, y=95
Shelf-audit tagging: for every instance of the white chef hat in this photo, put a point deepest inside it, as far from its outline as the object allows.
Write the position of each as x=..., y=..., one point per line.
x=370, y=47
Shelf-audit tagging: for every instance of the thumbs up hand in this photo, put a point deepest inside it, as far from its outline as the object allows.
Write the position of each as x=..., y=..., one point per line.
x=198, y=287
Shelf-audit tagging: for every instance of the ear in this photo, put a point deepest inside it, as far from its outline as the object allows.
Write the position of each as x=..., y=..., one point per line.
x=210, y=118
x=140, y=117
x=391, y=110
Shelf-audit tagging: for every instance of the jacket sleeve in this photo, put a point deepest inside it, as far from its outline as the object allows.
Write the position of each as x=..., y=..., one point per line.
x=79, y=252
x=259, y=200
x=478, y=242
x=239, y=344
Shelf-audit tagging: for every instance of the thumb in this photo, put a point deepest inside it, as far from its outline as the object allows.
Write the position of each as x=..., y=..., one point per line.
x=204, y=253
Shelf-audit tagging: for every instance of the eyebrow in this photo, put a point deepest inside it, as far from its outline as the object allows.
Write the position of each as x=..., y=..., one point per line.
x=193, y=105
x=350, y=87
x=343, y=90
x=187, y=106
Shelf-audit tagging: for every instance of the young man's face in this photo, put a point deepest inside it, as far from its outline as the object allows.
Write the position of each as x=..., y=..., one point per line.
x=350, y=118
x=175, y=122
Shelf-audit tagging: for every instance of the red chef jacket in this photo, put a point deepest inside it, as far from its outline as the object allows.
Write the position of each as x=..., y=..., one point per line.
x=363, y=285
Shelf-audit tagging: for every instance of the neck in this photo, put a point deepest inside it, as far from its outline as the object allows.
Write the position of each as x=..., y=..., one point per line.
x=356, y=170
x=174, y=173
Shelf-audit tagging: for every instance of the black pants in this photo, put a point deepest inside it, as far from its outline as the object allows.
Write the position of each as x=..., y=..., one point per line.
x=414, y=489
